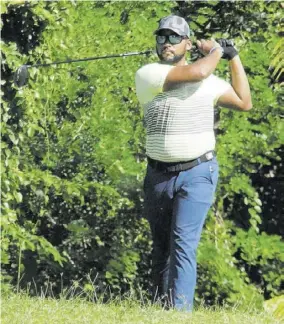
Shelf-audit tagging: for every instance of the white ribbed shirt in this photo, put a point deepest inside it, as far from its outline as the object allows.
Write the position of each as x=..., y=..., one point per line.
x=179, y=123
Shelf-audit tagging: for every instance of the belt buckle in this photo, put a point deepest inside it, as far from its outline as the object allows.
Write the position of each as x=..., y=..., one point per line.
x=209, y=156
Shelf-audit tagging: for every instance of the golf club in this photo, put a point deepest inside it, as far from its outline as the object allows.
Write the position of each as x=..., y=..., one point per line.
x=21, y=76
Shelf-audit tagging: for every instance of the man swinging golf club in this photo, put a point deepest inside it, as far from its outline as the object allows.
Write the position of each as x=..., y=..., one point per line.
x=178, y=100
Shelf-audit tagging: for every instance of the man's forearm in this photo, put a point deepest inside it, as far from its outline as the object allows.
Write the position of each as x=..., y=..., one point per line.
x=195, y=72
x=208, y=64
x=240, y=82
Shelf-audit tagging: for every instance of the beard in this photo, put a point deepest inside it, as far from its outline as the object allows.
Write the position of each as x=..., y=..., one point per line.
x=171, y=60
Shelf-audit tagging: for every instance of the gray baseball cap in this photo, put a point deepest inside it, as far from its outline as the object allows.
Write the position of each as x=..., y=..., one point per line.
x=174, y=23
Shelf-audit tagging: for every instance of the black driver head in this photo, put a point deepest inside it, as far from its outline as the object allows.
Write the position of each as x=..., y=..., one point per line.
x=21, y=76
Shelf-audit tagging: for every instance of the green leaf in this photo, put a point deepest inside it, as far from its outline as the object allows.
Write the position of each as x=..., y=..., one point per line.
x=18, y=196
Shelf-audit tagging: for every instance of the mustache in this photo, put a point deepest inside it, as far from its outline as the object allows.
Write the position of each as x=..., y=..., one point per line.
x=168, y=50
x=167, y=47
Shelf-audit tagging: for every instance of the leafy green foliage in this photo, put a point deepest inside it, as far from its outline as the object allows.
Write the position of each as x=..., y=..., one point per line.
x=73, y=150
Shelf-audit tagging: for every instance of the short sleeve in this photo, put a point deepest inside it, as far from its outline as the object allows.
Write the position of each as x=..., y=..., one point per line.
x=149, y=81
x=217, y=86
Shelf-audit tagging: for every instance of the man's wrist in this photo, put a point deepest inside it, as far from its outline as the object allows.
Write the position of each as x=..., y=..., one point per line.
x=213, y=49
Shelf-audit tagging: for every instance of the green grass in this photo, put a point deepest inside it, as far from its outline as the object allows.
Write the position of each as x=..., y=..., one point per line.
x=21, y=309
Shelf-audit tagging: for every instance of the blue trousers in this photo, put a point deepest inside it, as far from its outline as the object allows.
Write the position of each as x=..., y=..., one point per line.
x=176, y=205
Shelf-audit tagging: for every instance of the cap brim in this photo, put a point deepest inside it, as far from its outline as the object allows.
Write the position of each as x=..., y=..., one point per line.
x=173, y=29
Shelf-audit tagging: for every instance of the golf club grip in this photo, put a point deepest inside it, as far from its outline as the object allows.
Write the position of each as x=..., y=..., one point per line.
x=229, y=42
x=196, y=54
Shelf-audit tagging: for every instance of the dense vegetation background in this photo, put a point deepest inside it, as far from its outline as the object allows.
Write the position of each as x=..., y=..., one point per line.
x=73, y=156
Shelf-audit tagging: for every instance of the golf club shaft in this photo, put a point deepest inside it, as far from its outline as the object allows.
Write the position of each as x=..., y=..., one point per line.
x=100, y=57
x=92, y=58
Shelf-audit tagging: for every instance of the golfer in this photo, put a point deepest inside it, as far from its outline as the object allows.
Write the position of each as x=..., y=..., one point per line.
x=182, y=173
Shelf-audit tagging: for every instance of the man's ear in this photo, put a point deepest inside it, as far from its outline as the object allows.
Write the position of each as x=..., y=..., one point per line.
x=188, y=45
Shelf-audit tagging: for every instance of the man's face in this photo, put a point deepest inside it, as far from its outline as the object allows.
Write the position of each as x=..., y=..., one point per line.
x=172, y=53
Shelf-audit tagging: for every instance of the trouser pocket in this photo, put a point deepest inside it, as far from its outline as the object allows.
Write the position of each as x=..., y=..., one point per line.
x=213, y=171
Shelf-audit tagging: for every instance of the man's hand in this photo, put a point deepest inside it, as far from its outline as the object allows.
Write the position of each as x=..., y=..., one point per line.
x=229, y=50
x=205, y=46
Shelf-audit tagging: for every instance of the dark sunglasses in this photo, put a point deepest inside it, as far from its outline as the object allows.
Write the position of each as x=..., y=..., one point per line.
x=172, y=39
